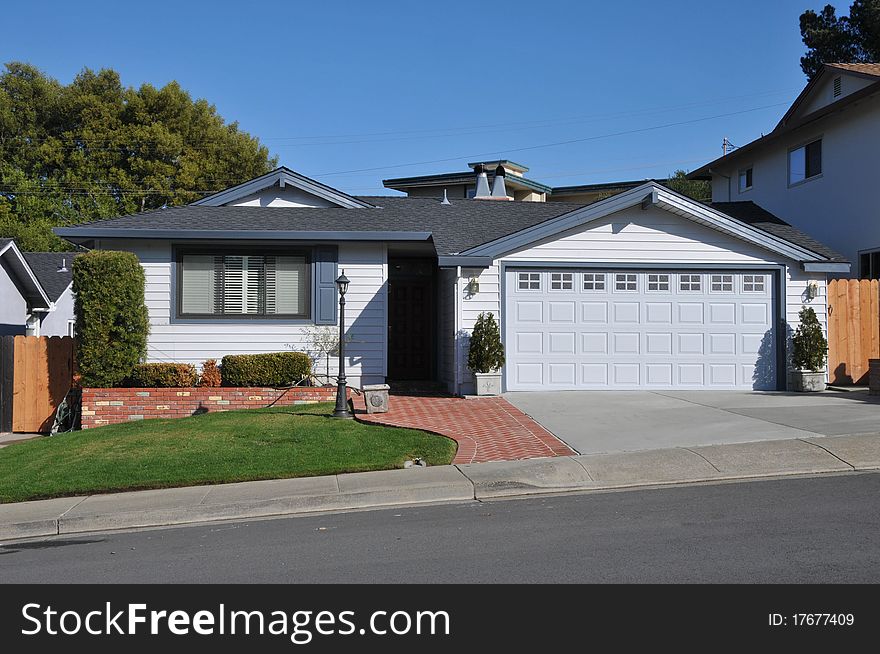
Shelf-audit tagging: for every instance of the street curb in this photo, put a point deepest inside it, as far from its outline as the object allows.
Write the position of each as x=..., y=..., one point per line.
x=439, y=484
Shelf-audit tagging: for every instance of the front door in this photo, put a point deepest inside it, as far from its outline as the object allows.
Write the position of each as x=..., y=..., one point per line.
x=410, y=319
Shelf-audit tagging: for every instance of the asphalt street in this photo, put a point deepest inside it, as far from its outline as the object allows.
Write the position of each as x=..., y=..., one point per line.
x=819, y=529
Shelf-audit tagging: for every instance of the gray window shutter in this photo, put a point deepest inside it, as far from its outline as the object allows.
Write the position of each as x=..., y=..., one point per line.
x=326, y=302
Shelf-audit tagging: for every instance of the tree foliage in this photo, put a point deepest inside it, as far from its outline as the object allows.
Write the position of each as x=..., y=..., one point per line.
x=95, y=149
x=698, y=189
x=111, y=317
x=840, y=39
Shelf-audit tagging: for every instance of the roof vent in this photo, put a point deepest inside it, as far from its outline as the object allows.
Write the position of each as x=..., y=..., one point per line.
x=445, y=199
x=63, y=267
x=499, y=190
x=838, y=87
x=482, y=183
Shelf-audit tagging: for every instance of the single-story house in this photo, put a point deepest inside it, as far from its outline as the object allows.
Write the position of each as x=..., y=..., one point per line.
x=645, y=289
x=36, y=292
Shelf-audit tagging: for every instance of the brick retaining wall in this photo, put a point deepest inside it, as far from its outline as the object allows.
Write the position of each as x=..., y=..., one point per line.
x=109, y=406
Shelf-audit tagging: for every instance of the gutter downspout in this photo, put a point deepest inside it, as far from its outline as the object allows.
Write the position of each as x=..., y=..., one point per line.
x=455, y=337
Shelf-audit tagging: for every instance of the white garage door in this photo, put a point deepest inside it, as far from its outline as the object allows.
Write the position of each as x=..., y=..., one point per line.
x=627, y=329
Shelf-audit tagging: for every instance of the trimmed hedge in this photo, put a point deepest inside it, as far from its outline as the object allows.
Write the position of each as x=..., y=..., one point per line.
x=111, y=317
x=210, y=374
x=163, y=375
x=271, y=369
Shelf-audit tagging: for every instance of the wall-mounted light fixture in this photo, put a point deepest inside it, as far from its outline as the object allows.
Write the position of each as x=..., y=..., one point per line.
x=473, y=287
x=812, y=291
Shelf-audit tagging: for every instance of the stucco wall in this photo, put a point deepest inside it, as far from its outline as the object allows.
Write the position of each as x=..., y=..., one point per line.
x=13, y=308
x=56, y=323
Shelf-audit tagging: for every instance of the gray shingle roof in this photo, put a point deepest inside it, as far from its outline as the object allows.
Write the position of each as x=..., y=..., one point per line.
x=758, y=217
x=455, y=228
x=463, y=224
x=45, y=267
x=4, y=242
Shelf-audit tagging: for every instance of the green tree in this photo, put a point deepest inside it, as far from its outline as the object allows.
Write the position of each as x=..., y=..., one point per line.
x=698, y=189
x=840, y=39
x=95, y=149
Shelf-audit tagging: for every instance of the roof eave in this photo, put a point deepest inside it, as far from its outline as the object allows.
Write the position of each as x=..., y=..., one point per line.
x=88, y=233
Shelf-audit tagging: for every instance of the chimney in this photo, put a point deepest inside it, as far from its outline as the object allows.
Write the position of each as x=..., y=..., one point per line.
x=499, y=190
x=482, y=183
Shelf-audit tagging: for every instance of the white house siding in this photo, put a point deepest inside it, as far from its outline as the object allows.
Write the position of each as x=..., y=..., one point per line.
x=282, y=197
x=195, y=341
x=637, y=236
x=13, y=307
x=56, y=322
x=838, y=207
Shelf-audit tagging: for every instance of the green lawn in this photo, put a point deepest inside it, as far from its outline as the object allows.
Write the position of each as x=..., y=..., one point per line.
x=272, y=443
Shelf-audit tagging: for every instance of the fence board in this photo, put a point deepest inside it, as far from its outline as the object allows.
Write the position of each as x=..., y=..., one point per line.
x=853, y=329
x=43, y=372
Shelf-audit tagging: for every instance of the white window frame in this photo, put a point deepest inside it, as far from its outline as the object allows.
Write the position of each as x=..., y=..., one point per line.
x=598, y=280
x=71, y=327
x=748, y=171
x=757, y=279
x=563, y=279
x=627, y=281
x=690, y=282
x=712, y=283
x=531, y=277
x=659, y=282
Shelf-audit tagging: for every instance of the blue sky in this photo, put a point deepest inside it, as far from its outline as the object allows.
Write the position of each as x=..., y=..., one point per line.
x=354, y=92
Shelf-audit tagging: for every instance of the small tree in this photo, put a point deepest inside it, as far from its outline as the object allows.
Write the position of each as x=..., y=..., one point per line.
x=486, y=353
x=809, y=347
x=111, y=318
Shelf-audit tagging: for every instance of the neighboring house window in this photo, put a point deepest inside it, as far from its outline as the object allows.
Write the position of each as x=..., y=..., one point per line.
x=529, y=281
x=561, y=281
x=722, y=283
x=753, y=283
x=626, y=282
x=869, y=265
x=594, y=281
x=805, y=162
x=71, y=327
x=658, y=282
x=244, y=284
x=745, y=180
x=690, y=283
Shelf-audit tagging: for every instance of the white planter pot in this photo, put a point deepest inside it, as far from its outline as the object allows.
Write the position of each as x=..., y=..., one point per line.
x=806, y=381
x=488, y=383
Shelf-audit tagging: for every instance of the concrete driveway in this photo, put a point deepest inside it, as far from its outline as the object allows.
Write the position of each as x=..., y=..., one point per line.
x=594, y=422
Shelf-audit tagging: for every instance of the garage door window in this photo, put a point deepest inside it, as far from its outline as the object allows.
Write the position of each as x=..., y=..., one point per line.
x=626, y=282
x=561, y=281
x=529, y=281
x=690, y=283
x=722, y=284
x=594, y=281
x=658, y=282
x=753, y=283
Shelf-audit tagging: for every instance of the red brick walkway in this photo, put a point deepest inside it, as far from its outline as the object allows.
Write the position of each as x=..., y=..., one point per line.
x=486, y=429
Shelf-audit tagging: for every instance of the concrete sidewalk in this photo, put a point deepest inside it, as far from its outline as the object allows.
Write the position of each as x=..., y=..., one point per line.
x=478, y=481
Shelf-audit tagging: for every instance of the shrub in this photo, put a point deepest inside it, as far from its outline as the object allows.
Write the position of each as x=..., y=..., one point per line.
x=111, y=317
x=272, y=369
x=210, y=374
x=809, y=347
x=163, y=375
x=486, y=353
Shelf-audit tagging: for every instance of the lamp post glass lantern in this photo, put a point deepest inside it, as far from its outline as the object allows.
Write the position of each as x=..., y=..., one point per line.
x=341, y=410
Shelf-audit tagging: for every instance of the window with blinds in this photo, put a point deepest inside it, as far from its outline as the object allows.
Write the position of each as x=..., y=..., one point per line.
x=234, y=284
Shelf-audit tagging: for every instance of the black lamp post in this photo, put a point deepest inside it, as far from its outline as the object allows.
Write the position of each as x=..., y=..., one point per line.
x=341, y=410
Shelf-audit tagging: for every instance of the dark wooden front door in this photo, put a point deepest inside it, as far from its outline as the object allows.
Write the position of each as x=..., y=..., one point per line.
x=410, y=319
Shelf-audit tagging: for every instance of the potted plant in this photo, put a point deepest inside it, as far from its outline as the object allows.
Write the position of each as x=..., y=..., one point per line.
x=486, y=355
x=809, y=352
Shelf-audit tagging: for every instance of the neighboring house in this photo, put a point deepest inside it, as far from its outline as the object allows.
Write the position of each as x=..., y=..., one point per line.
x=645, y=289
x=36, y=292
x=817, y=166
x=518, y=187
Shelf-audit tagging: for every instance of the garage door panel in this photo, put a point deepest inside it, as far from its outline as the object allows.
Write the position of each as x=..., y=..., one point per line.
x=640, y=330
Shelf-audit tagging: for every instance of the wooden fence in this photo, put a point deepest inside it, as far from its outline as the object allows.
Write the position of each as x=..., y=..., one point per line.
x=853, y=329
x=35, y=375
